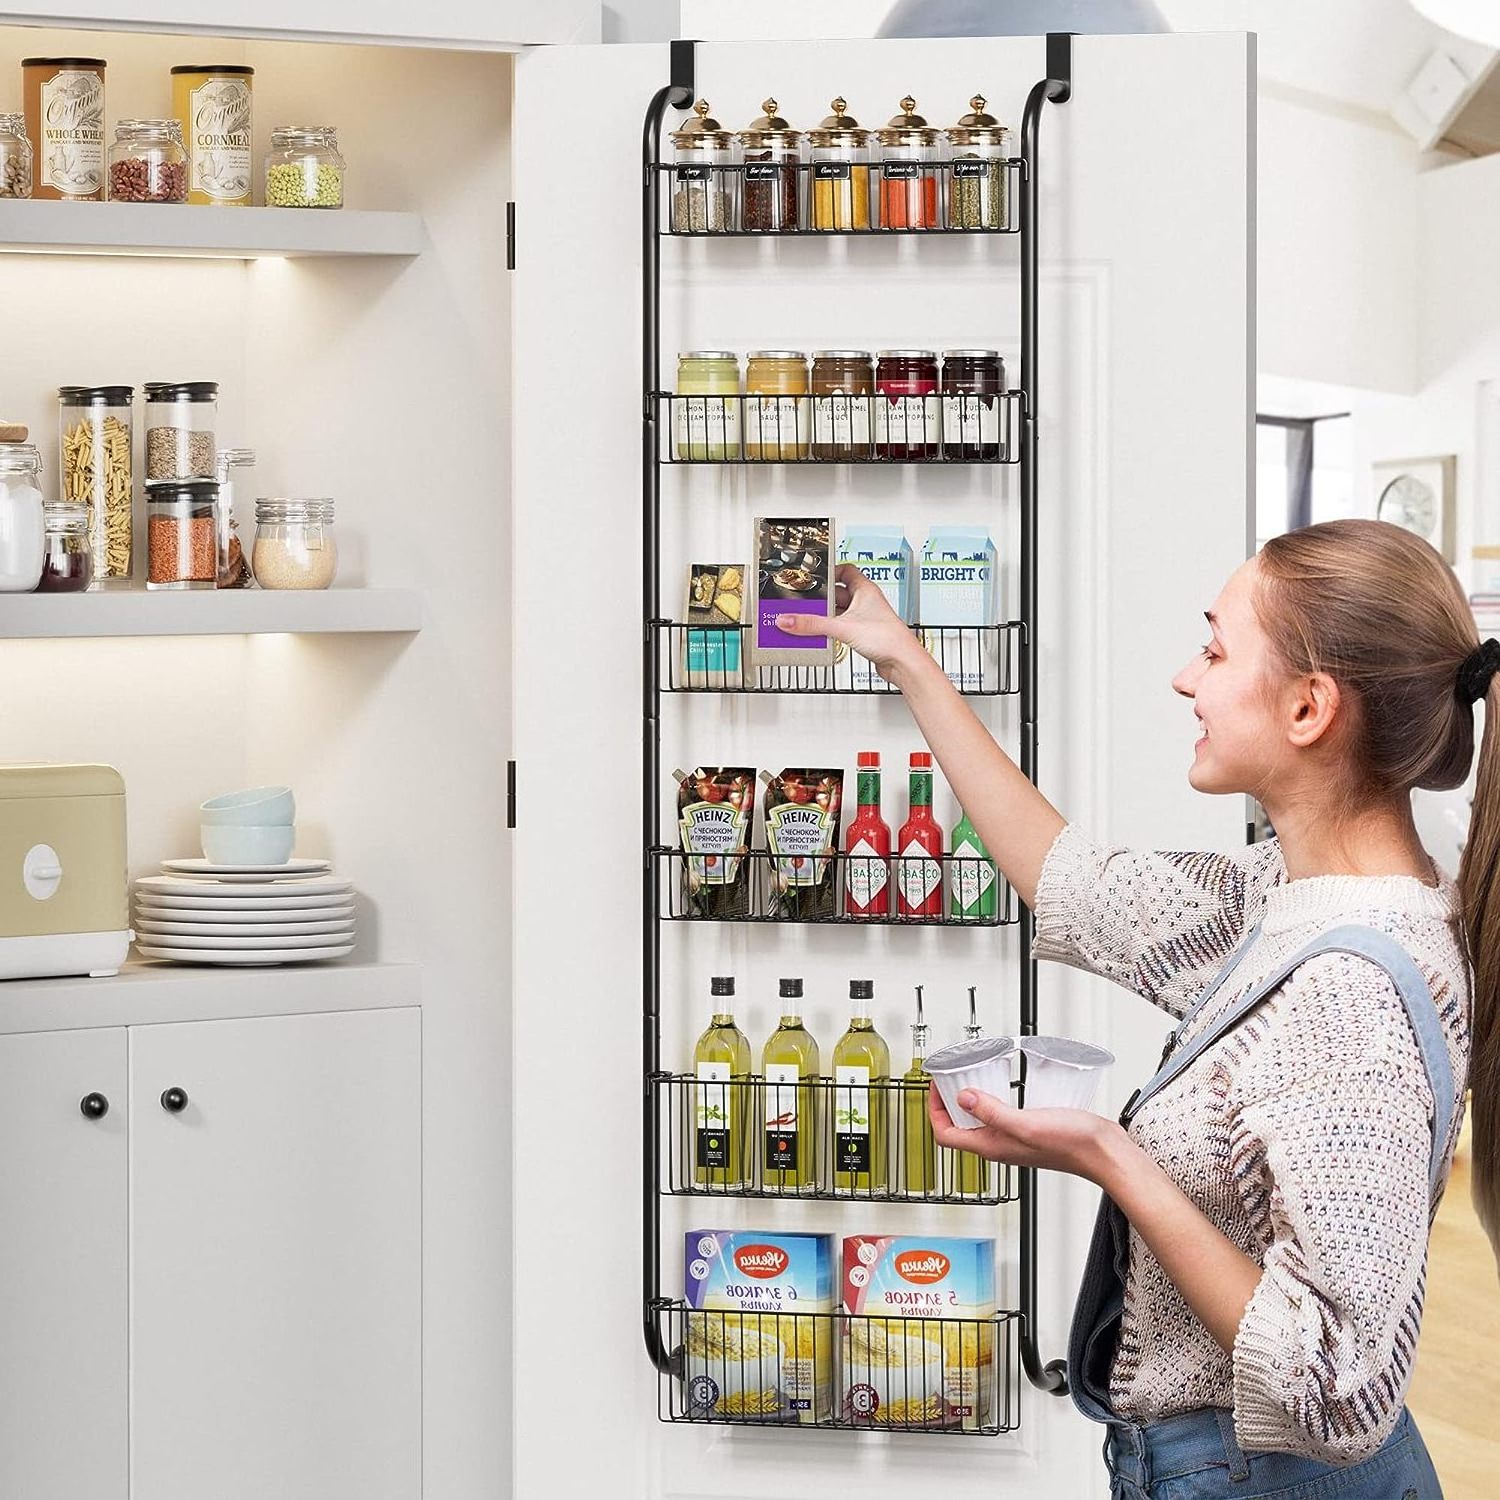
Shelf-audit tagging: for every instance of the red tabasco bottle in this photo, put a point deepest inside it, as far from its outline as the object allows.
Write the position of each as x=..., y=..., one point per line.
x=867, y=870
x=919, y=848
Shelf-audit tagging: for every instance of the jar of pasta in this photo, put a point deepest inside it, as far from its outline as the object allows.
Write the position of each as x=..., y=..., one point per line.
x=96, y=431
x=908, y=171
x=706, y=406
x=843, y=384
x=907, y=405
x=979, y=146
x=772, y=159
x=15, y=157
x=704, y=179
x=212, y=104
x=840, y=152
x=778, y=419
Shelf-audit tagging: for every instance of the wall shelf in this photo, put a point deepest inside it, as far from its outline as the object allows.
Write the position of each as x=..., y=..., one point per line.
x=38, y=226
x=210, y=612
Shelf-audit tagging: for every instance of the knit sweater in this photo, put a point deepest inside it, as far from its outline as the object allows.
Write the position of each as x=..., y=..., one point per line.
x=1303, y=1135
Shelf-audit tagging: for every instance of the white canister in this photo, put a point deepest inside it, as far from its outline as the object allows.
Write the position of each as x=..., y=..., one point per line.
x=22, y=530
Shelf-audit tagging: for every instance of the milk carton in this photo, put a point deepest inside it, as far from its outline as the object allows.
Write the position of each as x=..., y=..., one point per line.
x=920, y=1351
x=884, y=556
x=960, y=592
x=760, y=1334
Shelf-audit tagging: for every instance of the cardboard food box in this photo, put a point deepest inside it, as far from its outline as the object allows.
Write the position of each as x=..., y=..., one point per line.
x=884, y=556
x=793, y=575
x=960, y=594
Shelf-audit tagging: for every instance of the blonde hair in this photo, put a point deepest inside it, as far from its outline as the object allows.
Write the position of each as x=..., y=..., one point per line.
x=1379, y=611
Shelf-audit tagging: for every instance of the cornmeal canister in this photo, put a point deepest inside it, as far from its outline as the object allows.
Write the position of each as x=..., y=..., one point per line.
x=212, y=103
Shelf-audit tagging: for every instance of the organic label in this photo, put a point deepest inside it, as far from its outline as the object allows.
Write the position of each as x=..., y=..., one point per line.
x=713, y=1115
x=781, y=1116
x=72, y=143
x=867, y=874
x=851, y=1115
x=920, y=874
x=219, y=120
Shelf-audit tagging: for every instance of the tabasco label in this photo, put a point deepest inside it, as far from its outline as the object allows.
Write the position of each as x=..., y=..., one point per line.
x=72, y=143
x=219, y=120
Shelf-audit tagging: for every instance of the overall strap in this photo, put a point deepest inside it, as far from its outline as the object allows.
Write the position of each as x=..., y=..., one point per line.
x=1365, y=942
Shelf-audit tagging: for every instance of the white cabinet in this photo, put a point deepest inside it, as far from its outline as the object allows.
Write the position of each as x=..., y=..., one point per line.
x=215, y=1287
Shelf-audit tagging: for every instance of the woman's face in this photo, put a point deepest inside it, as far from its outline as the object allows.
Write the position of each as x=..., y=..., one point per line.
x=1239, y=736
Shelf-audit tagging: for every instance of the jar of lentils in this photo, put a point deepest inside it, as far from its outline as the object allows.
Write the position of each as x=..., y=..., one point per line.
x=182, y=535
x=15, y=157
x=148, y=163
x=305, y=168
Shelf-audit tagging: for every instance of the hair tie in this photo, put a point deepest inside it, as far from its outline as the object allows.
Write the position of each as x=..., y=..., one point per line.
x=1477, y=669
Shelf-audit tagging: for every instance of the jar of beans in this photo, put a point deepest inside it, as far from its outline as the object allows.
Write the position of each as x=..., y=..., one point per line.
x=180, y=420
x=305, y=168
x=182, y=534
x=148, y=163
x=908, y=171
x=704, y=179
x=15, y=157
x=772, y=158
x=67, y=558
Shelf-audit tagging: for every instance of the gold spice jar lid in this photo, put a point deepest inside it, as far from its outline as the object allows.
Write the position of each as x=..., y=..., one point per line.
x=839, y=128
x=908, y=128
x=764, y=127
x=704, y=130
x=977, y=127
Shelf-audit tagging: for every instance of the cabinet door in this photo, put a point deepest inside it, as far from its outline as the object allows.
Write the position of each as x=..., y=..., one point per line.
x=63, y=1290
x=276, y=1258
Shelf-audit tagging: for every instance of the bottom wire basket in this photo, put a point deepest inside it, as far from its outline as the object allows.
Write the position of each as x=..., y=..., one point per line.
x=822, y=1370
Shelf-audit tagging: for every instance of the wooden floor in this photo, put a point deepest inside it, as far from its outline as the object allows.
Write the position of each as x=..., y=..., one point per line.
x=1455, y=1390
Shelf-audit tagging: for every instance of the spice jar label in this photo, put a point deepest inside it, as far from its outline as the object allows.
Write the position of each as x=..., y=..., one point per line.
x=763, y=171
x=219, y=111
x=905, y=171
x=832, y=170
x=971, y=167
x=72, y=144
x=697, y=173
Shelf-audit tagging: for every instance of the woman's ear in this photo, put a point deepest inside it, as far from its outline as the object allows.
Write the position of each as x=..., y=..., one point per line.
x=1315, y=706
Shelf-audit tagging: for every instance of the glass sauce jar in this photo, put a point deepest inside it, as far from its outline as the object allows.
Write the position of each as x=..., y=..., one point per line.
x=840, y=172
x=15, y=157
x=908, y=171
x=769, y=198
x=147, y=163
x=843, y=386
x=978, y=185
x=777, y=417
x=67, y=558
x=706, y=407
x=974, y=413
x=704, y=179
x=907, y=405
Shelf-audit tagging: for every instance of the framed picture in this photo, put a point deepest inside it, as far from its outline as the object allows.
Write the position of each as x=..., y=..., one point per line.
x=1417, y=494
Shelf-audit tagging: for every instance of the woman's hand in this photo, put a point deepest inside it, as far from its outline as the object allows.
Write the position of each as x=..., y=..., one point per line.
x=864, y=621
x=1062, y=1140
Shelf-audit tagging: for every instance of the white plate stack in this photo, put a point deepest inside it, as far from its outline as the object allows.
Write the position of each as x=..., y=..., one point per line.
x=202, y=913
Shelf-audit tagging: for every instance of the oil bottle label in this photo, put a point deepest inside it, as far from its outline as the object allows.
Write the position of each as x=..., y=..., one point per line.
x=219, y=118
x=851, y=1115
x=781, y=1116
x=72, y=143
x=713, y=1091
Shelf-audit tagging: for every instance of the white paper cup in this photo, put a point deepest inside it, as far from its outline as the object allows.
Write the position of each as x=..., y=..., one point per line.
x=1062, y=1073
x=981, y=1064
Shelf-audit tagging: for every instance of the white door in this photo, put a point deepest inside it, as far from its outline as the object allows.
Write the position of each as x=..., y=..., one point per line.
x=63, y=1245
x=276, y=1258
x=1144, y=422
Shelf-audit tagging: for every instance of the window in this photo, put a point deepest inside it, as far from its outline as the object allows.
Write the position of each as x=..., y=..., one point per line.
x=1304, y=472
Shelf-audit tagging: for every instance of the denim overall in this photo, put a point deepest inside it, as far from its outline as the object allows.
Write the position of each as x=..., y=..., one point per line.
x=1194, y=1456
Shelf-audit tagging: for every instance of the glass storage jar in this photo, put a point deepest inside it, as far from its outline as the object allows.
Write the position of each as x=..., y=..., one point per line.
x=778, y=419
x=15, y=157
x=212, y=102
x=907, y=405
x=67, y=559
x=65, y=124
x=234, y=566
x=305, y=168
x=840, y=152
x=21, y=529
x=908, y=171
x=978, y=179
x=96, y=431
x=707, y=406
x=704, y=179
x=147, y=163
x=180, y=421
x=974, y=413
x=294, y=544
x=843, y=383
x=772, y=155
x=181, y=534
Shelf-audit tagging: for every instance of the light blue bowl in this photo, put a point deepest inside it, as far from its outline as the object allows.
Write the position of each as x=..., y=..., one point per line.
x=244, y=845
x=260, y=807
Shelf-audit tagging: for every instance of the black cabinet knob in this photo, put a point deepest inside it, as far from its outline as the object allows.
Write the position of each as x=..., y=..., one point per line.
x=94, y=1106
x=174, y=1100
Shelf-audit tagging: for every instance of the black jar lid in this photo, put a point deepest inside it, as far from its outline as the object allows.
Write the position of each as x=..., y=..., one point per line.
x=861, y=989
x=193, y=491
x=238, y=69
x=722, y=985
x=182, y=390
x=63, y=62
x=101, y=395
x=791, y=989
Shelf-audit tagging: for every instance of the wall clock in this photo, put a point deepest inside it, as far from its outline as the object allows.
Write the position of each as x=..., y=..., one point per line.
x=1417, y=495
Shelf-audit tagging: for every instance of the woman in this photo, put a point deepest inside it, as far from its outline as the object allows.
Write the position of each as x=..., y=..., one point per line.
x=1251, y=1329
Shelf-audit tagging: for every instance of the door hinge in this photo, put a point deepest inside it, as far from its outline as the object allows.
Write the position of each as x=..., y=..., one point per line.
x=510, y=794
x=510, y=235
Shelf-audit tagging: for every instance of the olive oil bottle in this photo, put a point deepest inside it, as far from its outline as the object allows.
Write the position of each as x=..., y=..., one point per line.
x=917, y=1156
x=789, y=1065
x=721, y=1099
x=971, y=1172
x=861, y=1078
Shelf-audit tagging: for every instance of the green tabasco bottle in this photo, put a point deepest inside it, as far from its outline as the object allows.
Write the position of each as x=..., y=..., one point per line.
x=789, y=1065
x=973, y=890
x=721, y=1102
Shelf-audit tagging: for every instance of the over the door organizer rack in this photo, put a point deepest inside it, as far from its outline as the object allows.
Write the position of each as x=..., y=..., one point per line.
x=667, y=1168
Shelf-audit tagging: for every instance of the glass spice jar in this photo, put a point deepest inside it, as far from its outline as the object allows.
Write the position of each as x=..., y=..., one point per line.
x=65, y=124
x=843, y=384
x=67, y=558
x=840, y=151
x=772, y=159
x=778, y=425
x=908, y=413
x=180, y=419
x=96, y=440
x=305, y=168
x=978, y=179
x=147, y=163
x=707, y=406
x=181, y=534
x=973, y=408
x=294, y=544
x=908, y=171
x=704, y=179
x=15, y=157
